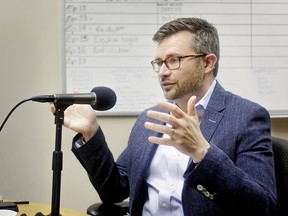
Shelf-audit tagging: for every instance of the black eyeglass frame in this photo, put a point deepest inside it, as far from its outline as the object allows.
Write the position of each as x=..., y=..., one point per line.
x=156, y=66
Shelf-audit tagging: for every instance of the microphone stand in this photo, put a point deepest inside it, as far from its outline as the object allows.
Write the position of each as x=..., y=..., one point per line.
x=57, y=160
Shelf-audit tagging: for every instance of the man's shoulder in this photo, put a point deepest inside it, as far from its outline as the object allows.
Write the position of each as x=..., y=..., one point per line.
x=233, y=102
x=231, y=96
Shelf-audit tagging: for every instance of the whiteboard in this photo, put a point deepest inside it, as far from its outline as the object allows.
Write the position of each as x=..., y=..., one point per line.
x=109, y=43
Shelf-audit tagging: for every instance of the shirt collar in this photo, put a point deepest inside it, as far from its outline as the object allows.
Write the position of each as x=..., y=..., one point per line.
x=204, y=100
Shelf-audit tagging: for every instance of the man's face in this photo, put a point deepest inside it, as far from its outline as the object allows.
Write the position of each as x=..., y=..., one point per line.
x=188, y=79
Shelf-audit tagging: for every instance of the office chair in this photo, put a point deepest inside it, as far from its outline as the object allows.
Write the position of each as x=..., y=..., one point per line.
x=102, y=209
x=280, y=149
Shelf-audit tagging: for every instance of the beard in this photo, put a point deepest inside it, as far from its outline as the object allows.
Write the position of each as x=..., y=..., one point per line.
x=188, y=87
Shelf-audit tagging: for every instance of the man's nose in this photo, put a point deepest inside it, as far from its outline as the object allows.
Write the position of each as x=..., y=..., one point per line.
x=163, y=70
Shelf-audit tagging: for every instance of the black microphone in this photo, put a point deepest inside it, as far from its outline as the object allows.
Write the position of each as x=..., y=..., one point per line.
x=101, y=98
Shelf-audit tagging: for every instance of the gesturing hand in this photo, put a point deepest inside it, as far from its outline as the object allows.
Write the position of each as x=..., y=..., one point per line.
x=80, y=118
x=183, y=129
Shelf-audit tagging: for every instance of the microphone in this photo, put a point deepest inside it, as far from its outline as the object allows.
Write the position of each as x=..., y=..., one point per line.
x=101, y=98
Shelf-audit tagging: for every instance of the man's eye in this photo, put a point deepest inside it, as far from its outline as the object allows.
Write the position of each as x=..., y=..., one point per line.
x=172, y=60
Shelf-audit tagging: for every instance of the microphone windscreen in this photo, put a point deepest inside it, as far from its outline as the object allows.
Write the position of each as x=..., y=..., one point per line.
x=105, y=98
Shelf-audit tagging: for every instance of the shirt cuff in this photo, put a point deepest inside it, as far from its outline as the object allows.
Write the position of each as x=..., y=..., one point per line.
x=80, y=142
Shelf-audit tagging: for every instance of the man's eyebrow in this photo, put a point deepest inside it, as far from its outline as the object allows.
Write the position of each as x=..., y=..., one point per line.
x=170, y=55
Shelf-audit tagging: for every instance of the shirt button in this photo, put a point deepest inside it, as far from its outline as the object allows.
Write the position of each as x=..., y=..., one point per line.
x=164, y=205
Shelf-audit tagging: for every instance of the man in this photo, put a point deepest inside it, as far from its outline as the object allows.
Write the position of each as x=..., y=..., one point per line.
x=179, y=161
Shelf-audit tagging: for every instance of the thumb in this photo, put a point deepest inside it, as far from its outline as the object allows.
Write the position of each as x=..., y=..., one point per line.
x=191, y=111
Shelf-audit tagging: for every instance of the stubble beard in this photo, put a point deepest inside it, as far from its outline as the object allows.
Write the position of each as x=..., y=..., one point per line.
x=188, y=87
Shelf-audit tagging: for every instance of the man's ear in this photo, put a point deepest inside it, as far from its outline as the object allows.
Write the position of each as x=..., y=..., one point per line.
x=210, y=62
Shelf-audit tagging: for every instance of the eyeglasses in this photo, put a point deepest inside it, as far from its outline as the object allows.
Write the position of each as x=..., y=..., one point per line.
x=172, y=62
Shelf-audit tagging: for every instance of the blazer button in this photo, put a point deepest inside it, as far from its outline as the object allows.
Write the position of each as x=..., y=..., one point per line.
x=211, y=197
x=199, y=187
x=207, y=194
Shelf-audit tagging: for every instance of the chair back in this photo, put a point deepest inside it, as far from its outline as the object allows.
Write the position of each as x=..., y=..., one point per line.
x=280, y=149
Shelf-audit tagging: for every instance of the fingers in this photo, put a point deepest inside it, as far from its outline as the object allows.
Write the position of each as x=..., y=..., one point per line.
x=172, y=108
x=52, y=107
x=160, y=128
x=178, y=123
x=164, y=129
x=191, y=111
x=175, y=112
x=172, y=122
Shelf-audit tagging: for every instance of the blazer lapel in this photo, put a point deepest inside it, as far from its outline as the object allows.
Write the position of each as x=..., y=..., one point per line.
x=213, y=113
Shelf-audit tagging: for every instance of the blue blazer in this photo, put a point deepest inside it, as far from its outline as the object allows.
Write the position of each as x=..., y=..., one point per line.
x=236, y=177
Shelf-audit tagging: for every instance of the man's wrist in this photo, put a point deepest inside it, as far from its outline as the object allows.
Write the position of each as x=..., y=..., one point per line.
x=204, y=152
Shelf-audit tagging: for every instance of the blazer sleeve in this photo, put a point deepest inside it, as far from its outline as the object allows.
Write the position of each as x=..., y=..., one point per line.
x=110, y=181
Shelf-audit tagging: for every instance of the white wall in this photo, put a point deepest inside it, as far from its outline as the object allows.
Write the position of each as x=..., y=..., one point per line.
x=30, y=64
